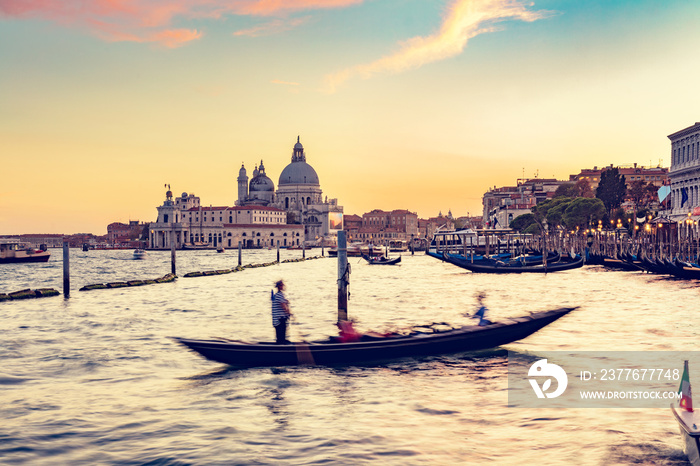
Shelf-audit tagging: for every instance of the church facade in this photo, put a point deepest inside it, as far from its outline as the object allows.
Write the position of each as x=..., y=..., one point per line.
x=294, y=214
x=298, y=193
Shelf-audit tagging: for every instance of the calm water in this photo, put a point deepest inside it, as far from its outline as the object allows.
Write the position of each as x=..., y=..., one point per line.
x=95, y=379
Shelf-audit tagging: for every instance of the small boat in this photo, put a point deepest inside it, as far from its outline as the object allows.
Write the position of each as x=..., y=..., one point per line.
x=197, y=245
x=688, y=421
x=356, y=250
x=497, y=268
x=398, y=246
x=139, y=254
x=381, y=260
x=371, y=348
x=12, y=252
x=221, y=249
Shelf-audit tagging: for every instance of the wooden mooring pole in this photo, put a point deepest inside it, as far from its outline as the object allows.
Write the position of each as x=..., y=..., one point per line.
x=66, y=270
x=172, y=253
x=240, y=253
x=343, y=277
x=278, y=251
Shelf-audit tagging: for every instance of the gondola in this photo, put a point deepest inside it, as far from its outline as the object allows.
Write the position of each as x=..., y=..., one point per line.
x=549, y=268
x=508, y=259
x=373, y=349
x=684, y=269
x=381, y=260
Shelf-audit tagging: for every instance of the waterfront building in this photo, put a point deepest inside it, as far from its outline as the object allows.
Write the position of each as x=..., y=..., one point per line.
x=380, y=227
x=469, y=222
x=125, y=234
x=190, y=225
x=502, y=205
x=38, y=239
x=655, y=175
x=351, y=225
x=427, y=227
x=684, y=175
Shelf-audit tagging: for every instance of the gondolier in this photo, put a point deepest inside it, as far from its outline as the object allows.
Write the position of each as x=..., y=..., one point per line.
x=280, y=313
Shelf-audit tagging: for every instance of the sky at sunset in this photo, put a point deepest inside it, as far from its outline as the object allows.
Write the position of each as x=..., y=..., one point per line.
x=400, y=104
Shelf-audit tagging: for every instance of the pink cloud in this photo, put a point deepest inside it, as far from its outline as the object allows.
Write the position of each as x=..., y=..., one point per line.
x=464, y=20
x=153, y=20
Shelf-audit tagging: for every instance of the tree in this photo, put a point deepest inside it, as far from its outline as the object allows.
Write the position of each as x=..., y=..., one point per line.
x=651, y=193
x=582, y=188
x=611, y=189
x=583, y=211
x=521, y=222
x=565, y=190
x=551, y=211
x=637, y=192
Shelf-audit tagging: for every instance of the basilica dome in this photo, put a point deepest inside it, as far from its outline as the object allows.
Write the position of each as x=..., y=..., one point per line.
x=261, y=183
x=298, y=172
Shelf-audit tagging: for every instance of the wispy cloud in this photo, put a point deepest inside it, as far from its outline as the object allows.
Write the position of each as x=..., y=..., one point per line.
x=464, y=20
x=154, y=20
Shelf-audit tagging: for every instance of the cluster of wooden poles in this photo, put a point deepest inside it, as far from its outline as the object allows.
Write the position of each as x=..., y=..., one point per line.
x=668, y=240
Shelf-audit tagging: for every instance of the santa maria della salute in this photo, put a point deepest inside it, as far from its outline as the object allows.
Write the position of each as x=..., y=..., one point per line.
x=262, y=217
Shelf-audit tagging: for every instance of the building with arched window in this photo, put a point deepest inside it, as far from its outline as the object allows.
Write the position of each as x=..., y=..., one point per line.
x=684, y=174
x=184, y=221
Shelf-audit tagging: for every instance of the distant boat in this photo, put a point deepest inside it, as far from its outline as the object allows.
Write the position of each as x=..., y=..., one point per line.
x=220, y=249
x=357, y=250
x=139, y=254
x=381, y=260
x=398, y=246
x=197, y=245
x=16, y=252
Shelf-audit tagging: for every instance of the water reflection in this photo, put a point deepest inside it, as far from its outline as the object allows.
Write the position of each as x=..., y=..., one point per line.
x=101, y=366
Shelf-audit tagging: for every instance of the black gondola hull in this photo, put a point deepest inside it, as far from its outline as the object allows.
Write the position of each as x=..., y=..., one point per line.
x=472, y=338
x=479, y=268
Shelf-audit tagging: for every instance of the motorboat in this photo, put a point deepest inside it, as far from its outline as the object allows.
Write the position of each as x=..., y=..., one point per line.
x=139, y=254
x=17, y=252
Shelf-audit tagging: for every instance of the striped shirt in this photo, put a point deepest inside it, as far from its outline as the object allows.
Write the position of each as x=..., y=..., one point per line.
x=278, y=311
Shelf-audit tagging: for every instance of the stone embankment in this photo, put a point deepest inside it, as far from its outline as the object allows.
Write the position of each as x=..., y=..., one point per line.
x=240, y=268
x=103, y=286
x=43, y=292
x=28, y=294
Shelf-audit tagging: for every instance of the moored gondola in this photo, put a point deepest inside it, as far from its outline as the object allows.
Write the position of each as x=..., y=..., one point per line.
x=503, y=268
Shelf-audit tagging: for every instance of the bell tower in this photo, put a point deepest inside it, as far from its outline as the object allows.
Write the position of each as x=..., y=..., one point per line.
x=242, y=185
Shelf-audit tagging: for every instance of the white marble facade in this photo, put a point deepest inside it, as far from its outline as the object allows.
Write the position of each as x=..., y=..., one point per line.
x=684, y=174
